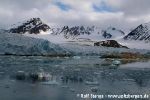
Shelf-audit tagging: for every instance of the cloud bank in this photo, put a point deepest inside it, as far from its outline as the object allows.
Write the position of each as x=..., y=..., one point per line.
x=124, y=14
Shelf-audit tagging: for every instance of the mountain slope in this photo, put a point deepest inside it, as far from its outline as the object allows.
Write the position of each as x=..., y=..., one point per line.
x=88, y=32
x=141, y=33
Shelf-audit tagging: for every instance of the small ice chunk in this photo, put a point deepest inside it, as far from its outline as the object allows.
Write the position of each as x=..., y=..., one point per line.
x=76, y=57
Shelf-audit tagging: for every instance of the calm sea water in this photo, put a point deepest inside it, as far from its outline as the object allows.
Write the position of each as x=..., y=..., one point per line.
x=73, y=76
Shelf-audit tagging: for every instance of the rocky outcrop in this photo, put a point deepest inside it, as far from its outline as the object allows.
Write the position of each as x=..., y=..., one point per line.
x=109, y=43
x=72, y=32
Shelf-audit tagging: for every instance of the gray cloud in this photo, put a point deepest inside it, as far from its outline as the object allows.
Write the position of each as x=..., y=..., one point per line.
x=131, y=7
x=24, y=4
x=137, y=7
x=128, y=13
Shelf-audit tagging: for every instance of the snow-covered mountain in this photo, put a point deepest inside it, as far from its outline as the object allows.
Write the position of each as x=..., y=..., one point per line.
x=141, y=33
x=37, y=26
x=89, y=32
x=31, y=26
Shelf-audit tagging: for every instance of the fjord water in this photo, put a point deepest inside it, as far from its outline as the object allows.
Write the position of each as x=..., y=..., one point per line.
x=74, y=75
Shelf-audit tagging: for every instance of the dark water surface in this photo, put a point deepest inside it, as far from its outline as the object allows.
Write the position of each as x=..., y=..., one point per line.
x=73, y=76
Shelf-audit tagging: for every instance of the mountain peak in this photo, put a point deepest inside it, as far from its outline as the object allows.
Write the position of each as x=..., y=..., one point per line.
x=31, y=26
x=142, y=33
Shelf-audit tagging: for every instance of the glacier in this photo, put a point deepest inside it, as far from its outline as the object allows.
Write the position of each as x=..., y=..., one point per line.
x=17, y=44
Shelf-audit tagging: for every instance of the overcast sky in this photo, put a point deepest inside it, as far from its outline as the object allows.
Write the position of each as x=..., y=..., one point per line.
x=124, y=14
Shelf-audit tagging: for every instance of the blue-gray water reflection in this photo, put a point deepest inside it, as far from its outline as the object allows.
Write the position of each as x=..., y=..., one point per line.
x=71, y=76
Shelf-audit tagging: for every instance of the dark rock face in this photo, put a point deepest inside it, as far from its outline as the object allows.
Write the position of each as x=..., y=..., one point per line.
x=75, y=31
x=142, y=33
x=109, y=43
x=33, y=26
x=107, y=35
